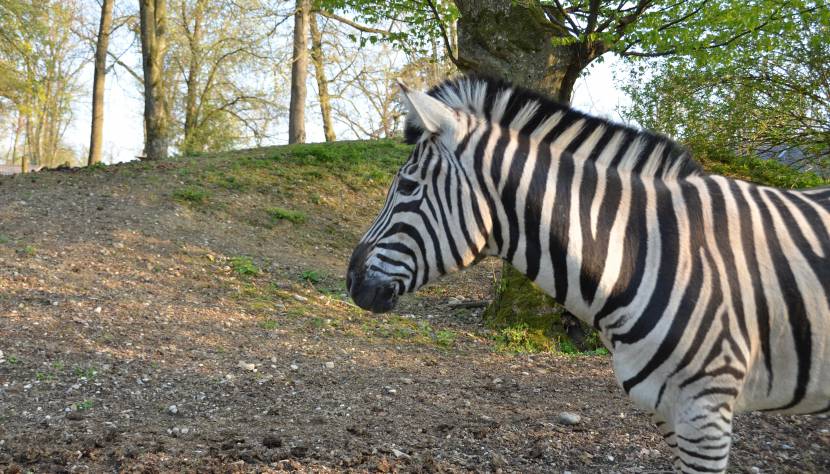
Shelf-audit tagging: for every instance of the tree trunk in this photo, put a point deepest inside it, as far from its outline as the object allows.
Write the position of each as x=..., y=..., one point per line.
x=96, y=137
x=299, y=73
x=322, y=81
x=513, y=40
x=17, y=132
x=191, y=112
x=153, y=22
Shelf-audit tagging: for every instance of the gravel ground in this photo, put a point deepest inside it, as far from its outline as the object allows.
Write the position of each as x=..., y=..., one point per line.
x=133, y=341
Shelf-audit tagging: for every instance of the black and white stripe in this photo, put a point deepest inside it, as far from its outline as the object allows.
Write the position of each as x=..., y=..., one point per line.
x=713, y=294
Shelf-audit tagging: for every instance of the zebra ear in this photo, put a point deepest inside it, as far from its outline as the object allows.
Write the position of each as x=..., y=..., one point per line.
x=427, y=112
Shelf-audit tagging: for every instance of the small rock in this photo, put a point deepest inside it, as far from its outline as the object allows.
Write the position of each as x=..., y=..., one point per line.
x=390, y=390
x=294, y=366
x=407, y=381
x=98, y=309
x=400, y=454
x=568, y=418
x=299, y=451
x=246, y=366
x=497, y=381
x=497, y=460
x=74, y=416
x=272, y=442
x=755, y=469
x=301, y=299
x=173, y=409
x=610, y=458
x=329, y=365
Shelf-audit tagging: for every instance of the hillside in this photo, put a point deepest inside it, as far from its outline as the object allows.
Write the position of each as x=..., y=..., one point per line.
x=189, y=315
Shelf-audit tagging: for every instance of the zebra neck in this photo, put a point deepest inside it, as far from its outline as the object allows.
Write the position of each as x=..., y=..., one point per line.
x=566, y=224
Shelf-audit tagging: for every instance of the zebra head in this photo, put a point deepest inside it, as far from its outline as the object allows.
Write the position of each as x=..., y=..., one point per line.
x=433, y=221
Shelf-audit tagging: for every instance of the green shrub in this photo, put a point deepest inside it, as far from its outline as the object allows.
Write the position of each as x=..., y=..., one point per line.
x=244, y=266
x=278, y=213
x=191, y=194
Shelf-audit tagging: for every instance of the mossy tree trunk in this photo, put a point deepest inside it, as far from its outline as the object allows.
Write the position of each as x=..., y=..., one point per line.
x=516, y=40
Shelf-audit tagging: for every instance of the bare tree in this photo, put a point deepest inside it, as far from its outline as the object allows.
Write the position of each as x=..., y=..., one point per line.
x=97, y=134
x=153, y=25
x=299, y=73
x=322, y=81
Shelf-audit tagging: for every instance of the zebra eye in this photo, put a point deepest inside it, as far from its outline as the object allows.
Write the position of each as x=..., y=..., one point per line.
x=407, y=186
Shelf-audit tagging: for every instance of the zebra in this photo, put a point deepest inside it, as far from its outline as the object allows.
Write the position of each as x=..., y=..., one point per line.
x=712, y=294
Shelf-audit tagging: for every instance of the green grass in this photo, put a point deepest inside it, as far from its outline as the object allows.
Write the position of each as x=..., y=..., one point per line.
x=269, y=324
x=311, y=276
x=244, y=266
x=191, y=194
x=84, y=405
x=278, y=213
x=86, y=372
x=757, y=170
x=521, y=339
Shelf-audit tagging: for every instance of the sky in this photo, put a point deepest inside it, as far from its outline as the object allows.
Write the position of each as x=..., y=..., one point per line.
x=596, y=93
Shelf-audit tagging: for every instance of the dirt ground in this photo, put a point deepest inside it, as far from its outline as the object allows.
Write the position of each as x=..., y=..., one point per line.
x=133, y=341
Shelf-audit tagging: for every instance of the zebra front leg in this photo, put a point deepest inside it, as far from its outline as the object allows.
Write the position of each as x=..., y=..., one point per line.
x=703, y=433
x=667, y=432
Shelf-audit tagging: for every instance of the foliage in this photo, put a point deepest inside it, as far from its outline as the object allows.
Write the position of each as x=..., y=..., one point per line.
x=768, y=97
x=244, y=266
x=40, y=60
x=191, y=194
x=520, y=338
x=278, y=213
x=311, y=276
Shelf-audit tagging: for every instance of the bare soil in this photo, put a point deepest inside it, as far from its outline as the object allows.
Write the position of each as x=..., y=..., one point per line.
x=118, y=302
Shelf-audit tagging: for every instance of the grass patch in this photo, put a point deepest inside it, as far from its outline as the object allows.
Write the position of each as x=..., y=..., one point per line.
x=82, y=406
x=311, y=276
x=244, y=266
x=192, y=195
x=85, y=372
x=279, y=214
x=269, y=324
x=522, y=339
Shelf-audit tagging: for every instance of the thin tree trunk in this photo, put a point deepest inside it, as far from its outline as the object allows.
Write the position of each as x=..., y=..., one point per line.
x=96, y=137
x=191, y=113
x=17, y=132
x=299, y=73
x=153, y=22
x=322, y=81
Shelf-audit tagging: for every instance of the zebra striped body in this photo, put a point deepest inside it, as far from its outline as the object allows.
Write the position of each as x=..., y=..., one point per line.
x=713, y=294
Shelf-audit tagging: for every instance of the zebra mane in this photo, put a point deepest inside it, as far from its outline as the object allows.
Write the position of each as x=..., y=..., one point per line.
x=510, y=106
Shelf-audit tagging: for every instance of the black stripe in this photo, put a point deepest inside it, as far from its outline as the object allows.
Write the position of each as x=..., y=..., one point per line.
x=560, y=226
x=796, y=311
x=654, y=311
x=754, y=270
x=533, y=210
x=635, y=245
x=508, y=194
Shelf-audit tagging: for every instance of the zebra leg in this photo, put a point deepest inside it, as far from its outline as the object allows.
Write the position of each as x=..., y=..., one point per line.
x=703, y=432
x=667, y=432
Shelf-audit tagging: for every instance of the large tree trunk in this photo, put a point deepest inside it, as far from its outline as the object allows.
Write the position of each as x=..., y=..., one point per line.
x=513, y=40
x=153, y=20
x=299, y=73
x=322, y=81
